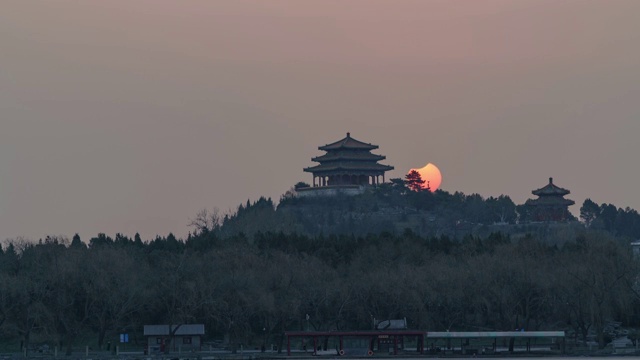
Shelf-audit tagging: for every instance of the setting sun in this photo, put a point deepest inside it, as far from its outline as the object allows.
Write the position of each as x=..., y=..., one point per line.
x=431, y=176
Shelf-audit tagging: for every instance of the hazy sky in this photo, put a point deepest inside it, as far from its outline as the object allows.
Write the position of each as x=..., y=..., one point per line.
x=131, y=116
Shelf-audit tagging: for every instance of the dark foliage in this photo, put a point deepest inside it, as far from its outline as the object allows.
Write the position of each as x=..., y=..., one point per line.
x=444, y=261
x=238, y=286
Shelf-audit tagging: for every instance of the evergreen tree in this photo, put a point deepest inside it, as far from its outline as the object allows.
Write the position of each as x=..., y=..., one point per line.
x=414, y=181
x=76, y=243
x=589, y=212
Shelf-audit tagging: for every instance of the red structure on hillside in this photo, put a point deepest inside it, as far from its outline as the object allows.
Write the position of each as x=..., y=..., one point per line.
x=550, y=204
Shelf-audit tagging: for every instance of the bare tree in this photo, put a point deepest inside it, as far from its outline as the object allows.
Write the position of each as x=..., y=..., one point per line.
x=206, y=221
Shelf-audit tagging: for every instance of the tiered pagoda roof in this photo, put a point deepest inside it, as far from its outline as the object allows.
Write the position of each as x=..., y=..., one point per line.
x=550, y=194
x=359, y=156
x=348, y=162
x=551, y=190
x=550, y=204
x=550, y=201
x=347, y=166
x=348, y=143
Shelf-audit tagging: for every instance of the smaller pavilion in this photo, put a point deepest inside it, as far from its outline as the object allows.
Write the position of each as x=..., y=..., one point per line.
x=348, y=162
x=550, y=204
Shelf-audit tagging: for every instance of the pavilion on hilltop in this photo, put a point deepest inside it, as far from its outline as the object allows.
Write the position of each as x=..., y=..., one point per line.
x=348, y=163
x=550, y=204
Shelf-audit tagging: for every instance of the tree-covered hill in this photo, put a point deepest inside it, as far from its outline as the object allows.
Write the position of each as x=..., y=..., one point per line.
x=385, y=208
x=442, y=261
x=394, y=208
x=58, y=291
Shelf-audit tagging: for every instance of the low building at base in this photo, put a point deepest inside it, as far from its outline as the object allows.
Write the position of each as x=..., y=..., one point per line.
x=348, y=190
x=175, y=338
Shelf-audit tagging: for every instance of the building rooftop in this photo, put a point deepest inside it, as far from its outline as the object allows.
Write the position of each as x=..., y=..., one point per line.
x=348, y=143
x=184, y=329
x=550, y=190
x=349, y=156
x=550, y=201
x=349, y=166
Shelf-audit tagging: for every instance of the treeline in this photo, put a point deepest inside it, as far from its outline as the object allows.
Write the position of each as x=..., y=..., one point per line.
x=389, y=207
x=249, y=290
x=392, y=207
x=617, y=221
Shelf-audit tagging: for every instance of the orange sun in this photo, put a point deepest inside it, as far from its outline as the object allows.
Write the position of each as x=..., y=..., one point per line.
x=431, y=176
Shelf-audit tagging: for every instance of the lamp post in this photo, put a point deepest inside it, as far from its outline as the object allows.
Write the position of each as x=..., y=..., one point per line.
x=307, y=322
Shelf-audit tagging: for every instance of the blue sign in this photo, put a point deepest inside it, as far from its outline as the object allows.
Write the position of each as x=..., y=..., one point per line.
x=124, y=338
